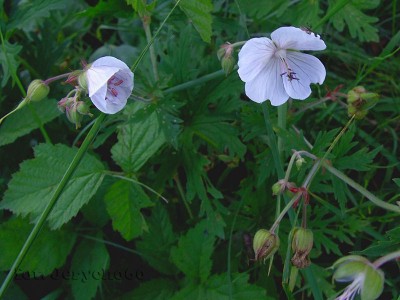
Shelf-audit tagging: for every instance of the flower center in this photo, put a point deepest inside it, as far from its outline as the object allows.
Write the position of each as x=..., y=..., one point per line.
x=112, y=85
x=288, y=72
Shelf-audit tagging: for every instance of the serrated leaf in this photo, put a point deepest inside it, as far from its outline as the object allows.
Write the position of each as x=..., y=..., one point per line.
x=48, y=252
x=30, y=12
x=397, y=181
x=359, y=24
x=156, y=289
x=89, y=259
x=194, y=165
x=32, y=187
x=141, y=7
x=124, y=201
x=137, y=142
x=339, y=190
x=8, y=60
x=359, y=161
x=193, y=254
x=199, y=12
x=156, y=244
x=26, y=119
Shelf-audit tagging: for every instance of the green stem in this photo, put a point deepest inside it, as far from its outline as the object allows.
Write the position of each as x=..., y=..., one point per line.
x=384, y=259
x=141, y=55
x=282, y=112
x=40, y=124
x=181, y=192
x=146, y=25
x=42, y=219
x=362, y=190
x=136, y=182
x=272, y=142
x=195, y=82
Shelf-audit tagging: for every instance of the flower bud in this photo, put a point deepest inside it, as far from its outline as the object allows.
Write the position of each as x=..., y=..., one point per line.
x=276, y=188
x=37, y=90
x=360, y=101
x=225, y=56
x=302, y=244
x=265, y=244
x=82, y=81
x=64, y=102
x=73, y=115
x=83, y=108
x=299, y=162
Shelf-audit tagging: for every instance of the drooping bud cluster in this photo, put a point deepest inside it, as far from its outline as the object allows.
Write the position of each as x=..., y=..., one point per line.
x=302, y=244
x=265, y=244
x=74, y=108
x=360, y=101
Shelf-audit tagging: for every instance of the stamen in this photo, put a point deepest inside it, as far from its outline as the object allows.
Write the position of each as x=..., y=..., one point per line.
x=114, y=92
x=289, y=72
x=119, y=82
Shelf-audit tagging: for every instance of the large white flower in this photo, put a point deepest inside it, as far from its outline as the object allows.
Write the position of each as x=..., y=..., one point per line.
x=274, y=68
x=110, y=83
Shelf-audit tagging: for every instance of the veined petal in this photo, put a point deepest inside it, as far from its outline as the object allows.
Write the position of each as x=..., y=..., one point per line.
x=306, y=66
x=104, y=101
x=254, y=56
x=109, y=61
x=307, y=69
x=267, y=85
x=97, y=77
x=297, y=39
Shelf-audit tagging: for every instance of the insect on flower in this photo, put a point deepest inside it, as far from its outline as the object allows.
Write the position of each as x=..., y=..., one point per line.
x=308, y=30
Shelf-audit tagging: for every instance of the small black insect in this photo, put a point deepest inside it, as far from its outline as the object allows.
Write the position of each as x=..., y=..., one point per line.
x=308, y=30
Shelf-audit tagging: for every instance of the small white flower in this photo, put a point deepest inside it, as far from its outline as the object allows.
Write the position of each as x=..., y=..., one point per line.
x=274, y=68
x=110, y=83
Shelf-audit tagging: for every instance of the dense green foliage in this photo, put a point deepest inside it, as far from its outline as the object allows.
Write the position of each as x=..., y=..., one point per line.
x=190, y=134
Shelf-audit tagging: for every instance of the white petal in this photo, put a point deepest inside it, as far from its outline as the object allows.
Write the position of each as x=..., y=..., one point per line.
x=254, y=56
x=297, y=39
x=109, y=61
x=267, y=85
x=97, y=77
x=107, y=105
x=306, y=66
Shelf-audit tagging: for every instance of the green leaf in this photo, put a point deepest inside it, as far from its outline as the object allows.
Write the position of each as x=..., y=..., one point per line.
x=90, y=259
x=25, y=120
x=8, y=61
x=217, y=287
x=29, y=12
x=359, y=24
x=194, y=164
x=48, y=252
x=199, y=12
x=32, y=187
x=397, y=181
x=193, y=253
x=156, y=244
x=360, y=160
x=137, y=142
x=156, y=289
x=124, y=201
x=141, y=7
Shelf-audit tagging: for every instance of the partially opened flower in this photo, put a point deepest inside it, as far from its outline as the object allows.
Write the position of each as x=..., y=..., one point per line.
x=366, y=279
x=109, y=82
x=274, y=69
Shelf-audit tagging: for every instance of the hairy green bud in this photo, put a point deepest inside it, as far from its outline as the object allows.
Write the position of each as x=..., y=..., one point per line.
x=37, y=90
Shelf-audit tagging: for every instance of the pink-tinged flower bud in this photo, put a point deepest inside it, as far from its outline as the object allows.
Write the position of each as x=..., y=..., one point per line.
x=367, y=280
x=37, y=90
x=64, y=102
x=265, y=244
x=225, y=55
x=302, y=244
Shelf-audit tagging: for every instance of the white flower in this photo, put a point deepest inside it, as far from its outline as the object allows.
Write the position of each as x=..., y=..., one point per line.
x=110, y=83
x=274, y=68
x=366, y=279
